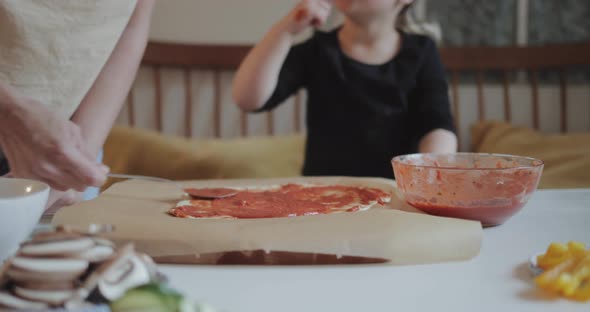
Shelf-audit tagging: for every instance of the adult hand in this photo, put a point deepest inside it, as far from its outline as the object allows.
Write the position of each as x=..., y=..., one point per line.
x=58, y=199
x=40, y=144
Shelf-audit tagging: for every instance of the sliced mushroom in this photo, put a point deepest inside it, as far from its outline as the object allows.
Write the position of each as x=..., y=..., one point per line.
x=95, y=229
x=45, y=265
x=103, y=242
x=121, y=256
x=12, y=302
x=117, y=281
x=96, y=253
x=47, y=285
x=64, y=267
x=3, y=276
x=58, y=248
x=151, y=267
x=52, y=297
x=20, y=275
x=62, y=232
x=53, y=236
x=77, y=305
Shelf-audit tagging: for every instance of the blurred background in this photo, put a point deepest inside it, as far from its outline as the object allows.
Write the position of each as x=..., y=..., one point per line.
x=183, y=110
x=463, y=22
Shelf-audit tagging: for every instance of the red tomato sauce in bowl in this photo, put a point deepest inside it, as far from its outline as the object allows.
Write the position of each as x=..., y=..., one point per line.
x=489, y=188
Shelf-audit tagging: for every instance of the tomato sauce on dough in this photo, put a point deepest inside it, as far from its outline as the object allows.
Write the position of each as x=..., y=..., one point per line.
x=286, y=201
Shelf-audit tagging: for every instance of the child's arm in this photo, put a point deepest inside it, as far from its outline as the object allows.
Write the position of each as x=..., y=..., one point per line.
x=257, y=76
x=438, y=141
x=431, y=109
x=101, y=105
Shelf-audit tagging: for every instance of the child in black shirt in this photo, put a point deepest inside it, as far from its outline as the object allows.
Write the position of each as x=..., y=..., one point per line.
x=374, y=92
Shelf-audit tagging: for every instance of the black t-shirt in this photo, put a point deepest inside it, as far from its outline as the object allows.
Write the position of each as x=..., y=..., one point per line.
x=359, y=116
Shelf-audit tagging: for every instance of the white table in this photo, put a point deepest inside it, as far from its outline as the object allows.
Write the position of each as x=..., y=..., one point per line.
x=496, y=280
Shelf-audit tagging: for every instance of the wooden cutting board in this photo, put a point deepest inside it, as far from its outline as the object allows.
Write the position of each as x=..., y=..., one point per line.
x=396, y=232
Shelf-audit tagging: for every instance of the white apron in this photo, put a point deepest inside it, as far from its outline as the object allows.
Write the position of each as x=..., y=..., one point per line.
x=53, y=51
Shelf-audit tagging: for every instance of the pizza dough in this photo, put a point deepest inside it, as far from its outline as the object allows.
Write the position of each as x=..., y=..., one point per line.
x=288, y=200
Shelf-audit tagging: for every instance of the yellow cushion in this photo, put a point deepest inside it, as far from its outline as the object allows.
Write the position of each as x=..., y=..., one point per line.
x=566, y=157
x=144, y=152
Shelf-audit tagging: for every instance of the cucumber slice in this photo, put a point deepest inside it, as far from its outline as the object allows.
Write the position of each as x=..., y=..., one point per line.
x=154, y=298
x=146, y=298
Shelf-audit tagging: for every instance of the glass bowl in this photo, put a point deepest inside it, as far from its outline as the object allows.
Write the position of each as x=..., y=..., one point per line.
x=489, y=188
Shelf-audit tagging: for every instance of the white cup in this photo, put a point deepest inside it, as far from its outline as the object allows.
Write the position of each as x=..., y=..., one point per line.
x=22, y=203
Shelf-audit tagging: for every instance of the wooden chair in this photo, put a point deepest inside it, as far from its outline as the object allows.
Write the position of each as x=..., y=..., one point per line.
x=458, y=60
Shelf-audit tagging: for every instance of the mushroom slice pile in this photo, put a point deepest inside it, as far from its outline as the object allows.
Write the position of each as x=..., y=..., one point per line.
x=64, y=267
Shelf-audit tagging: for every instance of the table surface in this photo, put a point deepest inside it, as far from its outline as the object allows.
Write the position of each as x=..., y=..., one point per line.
x=498, y=279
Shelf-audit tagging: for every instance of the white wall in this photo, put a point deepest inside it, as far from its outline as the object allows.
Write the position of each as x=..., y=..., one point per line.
x=227, y=21
x=216, y=21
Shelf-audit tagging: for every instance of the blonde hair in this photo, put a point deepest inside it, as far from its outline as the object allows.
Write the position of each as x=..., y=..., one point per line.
x=407, y=22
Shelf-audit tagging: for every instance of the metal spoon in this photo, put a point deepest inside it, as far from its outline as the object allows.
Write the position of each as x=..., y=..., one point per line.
x=197, y=193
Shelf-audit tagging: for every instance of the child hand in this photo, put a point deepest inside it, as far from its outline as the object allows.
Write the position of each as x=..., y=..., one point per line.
x=308, y=13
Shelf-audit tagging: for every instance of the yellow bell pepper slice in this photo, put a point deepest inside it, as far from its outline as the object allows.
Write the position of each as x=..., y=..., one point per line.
x=577, y=249
x=583, y=292
x=547, y=279
x=557, y=249
x=555, y=254
x=567, y=270
x=579, y=274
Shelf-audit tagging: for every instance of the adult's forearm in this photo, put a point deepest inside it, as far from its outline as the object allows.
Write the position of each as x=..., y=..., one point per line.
x=8, y=99
x=12, y=104
x=103, y=102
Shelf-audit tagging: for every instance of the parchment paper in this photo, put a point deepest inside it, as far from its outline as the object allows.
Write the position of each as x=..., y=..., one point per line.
x=396, y=232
